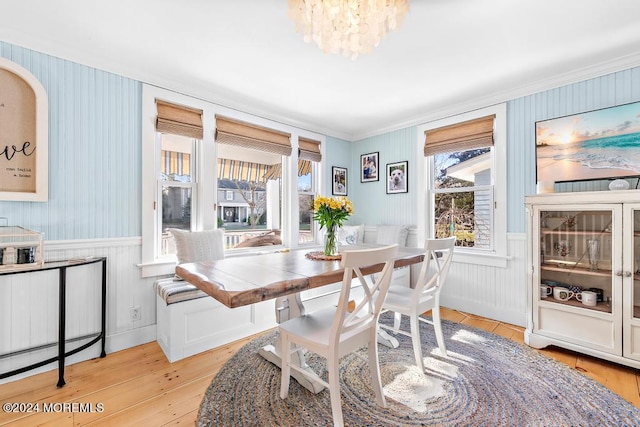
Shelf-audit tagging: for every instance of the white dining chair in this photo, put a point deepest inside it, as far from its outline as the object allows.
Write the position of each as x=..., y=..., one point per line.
x=425, y=296
x=335, y=332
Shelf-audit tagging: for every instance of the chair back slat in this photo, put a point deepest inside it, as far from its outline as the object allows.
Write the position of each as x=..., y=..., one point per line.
x=368, y=309
x=435, y=267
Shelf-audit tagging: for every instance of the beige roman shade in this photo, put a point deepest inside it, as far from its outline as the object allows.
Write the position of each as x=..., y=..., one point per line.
x=463, y=136
x=247, y=135
x=178, y=120
x=309, y=149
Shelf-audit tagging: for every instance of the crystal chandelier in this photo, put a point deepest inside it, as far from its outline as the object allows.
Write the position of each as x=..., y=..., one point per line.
x=350, y=26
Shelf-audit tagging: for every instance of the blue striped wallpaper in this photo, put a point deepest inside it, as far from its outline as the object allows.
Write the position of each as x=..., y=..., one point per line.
x=94, y=152
x=614, y=89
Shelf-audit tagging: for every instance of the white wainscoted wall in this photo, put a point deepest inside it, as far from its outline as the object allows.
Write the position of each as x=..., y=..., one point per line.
x=493, y=292
x=29, y=304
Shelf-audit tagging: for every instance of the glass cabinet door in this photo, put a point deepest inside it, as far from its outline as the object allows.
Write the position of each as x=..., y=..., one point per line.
x=576, y=258
x=635, y=290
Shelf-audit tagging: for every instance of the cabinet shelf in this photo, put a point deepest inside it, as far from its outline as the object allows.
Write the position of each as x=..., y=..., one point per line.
x=571, y=268
x=601, y=306
x=547, y=231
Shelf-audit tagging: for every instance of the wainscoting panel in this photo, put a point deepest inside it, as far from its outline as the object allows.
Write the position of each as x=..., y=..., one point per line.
x=29, y=304
x=493, y=292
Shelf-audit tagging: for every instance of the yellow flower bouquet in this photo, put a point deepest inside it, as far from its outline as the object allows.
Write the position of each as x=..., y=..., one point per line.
x=331, y=212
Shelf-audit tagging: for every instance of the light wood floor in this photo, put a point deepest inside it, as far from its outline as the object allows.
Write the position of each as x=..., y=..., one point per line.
x=139, y=387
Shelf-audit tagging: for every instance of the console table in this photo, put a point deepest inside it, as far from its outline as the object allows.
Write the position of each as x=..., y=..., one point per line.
x=62, y=267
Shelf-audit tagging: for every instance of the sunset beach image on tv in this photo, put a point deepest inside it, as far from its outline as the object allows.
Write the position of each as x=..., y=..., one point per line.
x=597, y=144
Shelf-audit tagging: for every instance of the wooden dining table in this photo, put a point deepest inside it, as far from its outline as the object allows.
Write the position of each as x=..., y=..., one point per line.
x=242, y=280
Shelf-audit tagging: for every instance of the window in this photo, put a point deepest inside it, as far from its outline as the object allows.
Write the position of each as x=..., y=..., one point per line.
x=465, y=191
x=308, y=157
x=205, y=166
x=176, y=183
x=250, y=164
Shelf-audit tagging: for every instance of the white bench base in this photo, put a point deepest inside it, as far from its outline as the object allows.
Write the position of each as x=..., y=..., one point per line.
x=189, y=327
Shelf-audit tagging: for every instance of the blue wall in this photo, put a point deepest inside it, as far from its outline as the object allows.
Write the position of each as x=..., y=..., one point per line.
x=374, y=206
x=94, y=152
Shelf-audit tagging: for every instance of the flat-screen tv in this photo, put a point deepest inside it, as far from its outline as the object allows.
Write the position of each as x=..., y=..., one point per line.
x=598, y=144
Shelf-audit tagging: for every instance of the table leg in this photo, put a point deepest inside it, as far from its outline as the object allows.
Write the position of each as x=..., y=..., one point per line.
x=288, y=307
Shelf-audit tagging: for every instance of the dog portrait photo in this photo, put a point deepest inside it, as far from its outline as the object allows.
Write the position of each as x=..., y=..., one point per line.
x=397, y=177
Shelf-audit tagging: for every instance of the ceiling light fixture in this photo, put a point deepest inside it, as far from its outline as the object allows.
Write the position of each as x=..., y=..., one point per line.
x=350, y=26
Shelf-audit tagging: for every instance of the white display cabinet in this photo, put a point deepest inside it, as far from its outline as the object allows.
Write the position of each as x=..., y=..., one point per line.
x=589, y=244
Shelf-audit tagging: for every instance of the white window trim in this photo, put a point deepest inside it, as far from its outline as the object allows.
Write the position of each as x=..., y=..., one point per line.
x=206, y=211
x=498, y=257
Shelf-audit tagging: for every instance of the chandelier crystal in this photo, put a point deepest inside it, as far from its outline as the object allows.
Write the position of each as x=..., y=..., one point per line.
x=350, y=26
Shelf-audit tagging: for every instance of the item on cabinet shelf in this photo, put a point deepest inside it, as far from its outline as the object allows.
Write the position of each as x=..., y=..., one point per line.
x=575, y=289
x=545, y=291
x=619, y=184
x=594, y=251
x=562, y=294
x=569, y=221
x=599, y=294
x=562, y=247
x=588, y=298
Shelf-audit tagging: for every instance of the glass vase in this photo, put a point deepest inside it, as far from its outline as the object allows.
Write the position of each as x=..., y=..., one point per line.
x=331, y=240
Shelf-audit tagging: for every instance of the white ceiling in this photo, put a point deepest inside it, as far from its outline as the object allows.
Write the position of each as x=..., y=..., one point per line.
x=448, y=57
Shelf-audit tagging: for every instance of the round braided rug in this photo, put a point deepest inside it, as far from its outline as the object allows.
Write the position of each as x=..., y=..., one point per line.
x=485, y=380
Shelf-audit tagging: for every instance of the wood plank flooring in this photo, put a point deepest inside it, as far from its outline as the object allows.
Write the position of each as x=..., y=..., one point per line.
x=138, y=387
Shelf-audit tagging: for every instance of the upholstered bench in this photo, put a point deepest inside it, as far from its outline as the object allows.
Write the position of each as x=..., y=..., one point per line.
x=188, y=321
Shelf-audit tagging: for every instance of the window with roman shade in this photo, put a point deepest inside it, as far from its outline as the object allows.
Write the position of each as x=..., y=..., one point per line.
x=462, y=181
x=249, y=160
x=180, y=127
x=178, y=120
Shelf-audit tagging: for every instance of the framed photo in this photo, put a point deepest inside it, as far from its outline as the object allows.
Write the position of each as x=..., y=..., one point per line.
x=369, y=167
x=338, y=181
x=598, y=144
x=397, y=177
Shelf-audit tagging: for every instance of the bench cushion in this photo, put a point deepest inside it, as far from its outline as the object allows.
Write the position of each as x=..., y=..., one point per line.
x=173, y=290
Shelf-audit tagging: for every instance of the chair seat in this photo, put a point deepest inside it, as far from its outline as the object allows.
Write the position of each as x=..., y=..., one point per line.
x=399, y=300
x=314, y=330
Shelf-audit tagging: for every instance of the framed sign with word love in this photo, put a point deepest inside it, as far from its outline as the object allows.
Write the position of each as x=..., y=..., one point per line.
x=23, y=135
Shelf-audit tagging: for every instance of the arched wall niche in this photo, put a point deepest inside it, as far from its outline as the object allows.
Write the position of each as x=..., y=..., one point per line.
x=24, y=125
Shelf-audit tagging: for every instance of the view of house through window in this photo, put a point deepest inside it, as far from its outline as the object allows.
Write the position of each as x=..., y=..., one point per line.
x=249, y=196
x=463, y=197
x=176, y=183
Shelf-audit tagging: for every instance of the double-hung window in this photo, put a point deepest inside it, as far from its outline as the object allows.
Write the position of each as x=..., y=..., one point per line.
x=179, y=129
x=465, y=188
x=250, y=163
x=309, y=156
